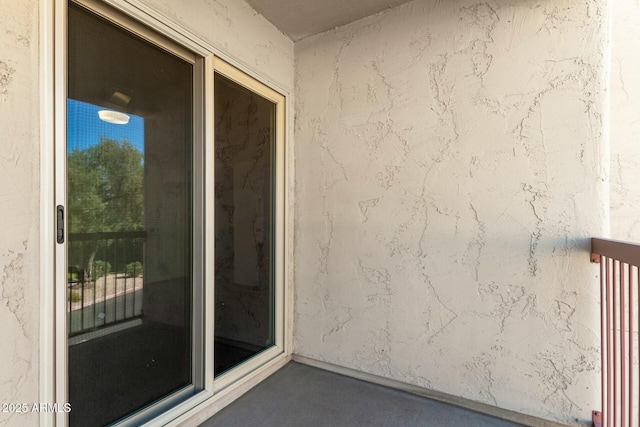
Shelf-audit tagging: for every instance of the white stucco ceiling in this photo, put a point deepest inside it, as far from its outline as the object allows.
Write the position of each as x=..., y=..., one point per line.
x=302, y=18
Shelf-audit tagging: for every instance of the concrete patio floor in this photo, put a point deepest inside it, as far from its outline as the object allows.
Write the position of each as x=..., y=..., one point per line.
x=301, y=395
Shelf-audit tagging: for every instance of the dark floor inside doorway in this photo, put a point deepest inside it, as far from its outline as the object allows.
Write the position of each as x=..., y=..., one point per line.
x=118, y=373
x=113, y=375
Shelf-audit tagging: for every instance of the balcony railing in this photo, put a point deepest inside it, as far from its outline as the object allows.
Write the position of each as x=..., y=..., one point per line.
x=620, y=324
x=105, y=281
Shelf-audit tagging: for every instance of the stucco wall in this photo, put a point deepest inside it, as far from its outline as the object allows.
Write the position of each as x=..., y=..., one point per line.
x=625, y=121
x=19, y=195
x=19, y=177
x=450, y=168
x=230, y=25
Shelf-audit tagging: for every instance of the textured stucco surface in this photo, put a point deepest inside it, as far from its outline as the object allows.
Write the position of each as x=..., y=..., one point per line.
x=625, y=121
x=451, y=164
x=19, y=194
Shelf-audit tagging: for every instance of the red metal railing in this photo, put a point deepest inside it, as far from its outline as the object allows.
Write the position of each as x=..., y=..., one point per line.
x=620, y=323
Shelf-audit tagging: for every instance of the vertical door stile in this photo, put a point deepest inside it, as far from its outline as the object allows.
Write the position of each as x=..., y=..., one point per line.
x=60, y=137
x=209, y=222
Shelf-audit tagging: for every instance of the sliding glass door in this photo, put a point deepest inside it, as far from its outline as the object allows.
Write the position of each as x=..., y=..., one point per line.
x=130, y=220
x=170, y=223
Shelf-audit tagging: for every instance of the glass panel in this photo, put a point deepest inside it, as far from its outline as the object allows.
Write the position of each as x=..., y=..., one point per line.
x=244, y=182
x=129, y=215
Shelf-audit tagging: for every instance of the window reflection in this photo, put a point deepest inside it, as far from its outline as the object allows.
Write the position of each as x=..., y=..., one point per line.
x=105, y=172
x=244, y=129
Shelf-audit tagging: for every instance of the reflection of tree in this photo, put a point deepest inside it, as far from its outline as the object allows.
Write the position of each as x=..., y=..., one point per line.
x=105, y=191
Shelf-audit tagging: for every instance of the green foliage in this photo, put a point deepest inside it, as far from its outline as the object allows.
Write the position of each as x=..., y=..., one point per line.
x=105, y=187
x=75, y=296
x=101, y=268
x=134, y=269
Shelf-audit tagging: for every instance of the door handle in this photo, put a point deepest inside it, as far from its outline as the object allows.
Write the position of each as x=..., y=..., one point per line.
x=60, y=224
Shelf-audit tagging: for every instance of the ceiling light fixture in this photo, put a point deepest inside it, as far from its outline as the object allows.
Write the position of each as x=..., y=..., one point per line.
x=114, y=117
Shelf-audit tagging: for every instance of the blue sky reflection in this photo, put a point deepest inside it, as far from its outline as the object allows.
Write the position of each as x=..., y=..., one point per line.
x=84, y=127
